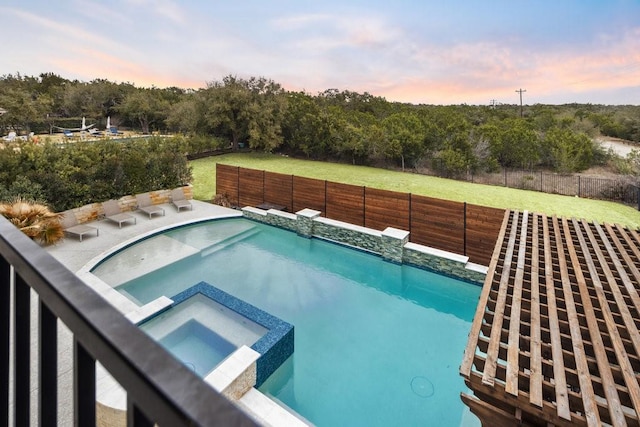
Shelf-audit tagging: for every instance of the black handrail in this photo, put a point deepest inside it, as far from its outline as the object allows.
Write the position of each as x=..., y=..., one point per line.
x=159, y=388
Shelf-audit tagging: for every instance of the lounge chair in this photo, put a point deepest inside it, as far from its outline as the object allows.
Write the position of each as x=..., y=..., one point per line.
x=113, y=131
x=68, y=133
x=94, y=132
x=112, y=212
x=9, y=138
x=26, y=137
x=70, y=225
x=179, y=200
x=146, y=205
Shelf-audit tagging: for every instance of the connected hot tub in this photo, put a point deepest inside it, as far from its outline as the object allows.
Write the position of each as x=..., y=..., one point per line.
x=205, y=325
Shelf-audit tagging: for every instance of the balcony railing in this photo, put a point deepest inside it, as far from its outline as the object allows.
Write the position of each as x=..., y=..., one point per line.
x=160, y=390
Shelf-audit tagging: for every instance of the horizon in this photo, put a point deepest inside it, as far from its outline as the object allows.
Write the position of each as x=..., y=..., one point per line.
x=572, y=52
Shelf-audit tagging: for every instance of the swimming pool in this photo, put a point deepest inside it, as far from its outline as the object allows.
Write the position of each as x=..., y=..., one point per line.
x=376, y=343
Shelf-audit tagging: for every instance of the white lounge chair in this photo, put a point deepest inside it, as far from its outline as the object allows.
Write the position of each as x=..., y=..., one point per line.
x=112, y=212
x=179, y=200
x=70, y=225
x=11, y=137
x=146, y=205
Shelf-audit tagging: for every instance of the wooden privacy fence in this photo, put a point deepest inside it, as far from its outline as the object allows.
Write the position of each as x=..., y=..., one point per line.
x=456, y=227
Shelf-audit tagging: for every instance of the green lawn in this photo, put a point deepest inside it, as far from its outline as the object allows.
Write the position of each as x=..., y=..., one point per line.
x=204, y=182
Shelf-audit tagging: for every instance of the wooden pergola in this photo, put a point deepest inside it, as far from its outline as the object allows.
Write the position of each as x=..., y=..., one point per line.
x=555, y=338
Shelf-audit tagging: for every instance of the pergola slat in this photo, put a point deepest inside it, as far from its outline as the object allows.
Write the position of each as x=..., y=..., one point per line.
x=467, y=360
x=513, y=357
x=556, y=345
x=588, y=395
x=488, y=376
x=535, y=380
x=628, y=284
x=612, y=325
x=556, y=339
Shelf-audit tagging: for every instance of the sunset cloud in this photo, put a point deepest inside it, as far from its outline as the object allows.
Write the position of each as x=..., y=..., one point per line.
x=411, y=52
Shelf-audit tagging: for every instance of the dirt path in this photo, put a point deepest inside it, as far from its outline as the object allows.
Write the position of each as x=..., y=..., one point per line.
x=619, y=146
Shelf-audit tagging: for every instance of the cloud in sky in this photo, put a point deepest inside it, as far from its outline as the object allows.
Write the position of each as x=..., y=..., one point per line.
x=420, y=52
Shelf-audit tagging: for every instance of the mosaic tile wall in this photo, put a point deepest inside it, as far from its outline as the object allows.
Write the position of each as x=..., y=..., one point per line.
x=391, y=243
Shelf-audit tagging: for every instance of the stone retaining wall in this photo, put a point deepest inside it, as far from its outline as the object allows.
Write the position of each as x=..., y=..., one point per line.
x=392, y=244
x=93, y=211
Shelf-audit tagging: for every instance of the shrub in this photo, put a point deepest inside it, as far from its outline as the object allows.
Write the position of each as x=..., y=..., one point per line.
x=222, y=200
x=34, y=219
x=79, y=173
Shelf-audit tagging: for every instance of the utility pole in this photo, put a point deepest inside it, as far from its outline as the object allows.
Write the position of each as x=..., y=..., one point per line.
x=520, y=91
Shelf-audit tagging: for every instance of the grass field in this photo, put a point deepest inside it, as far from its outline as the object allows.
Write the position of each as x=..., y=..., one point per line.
x=204, y=182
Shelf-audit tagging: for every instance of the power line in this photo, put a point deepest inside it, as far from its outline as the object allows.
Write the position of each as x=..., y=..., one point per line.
x=520, y=91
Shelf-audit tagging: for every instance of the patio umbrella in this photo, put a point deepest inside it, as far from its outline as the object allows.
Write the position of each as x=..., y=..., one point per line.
x=108, y=122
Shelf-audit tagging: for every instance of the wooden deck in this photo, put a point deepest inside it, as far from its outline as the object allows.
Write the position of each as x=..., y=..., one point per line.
x=555, y=337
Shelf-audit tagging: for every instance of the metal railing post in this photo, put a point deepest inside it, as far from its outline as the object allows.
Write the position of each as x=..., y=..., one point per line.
x=5, y=322
x=21, y=351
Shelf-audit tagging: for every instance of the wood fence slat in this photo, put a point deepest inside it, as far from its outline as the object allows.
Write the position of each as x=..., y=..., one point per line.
x=251, y=187
x=277, y=189
x=227, y=182
x=432, y=222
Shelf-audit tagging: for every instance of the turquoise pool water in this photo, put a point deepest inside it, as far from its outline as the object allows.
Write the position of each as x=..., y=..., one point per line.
x=198, y=346
x=375, y=343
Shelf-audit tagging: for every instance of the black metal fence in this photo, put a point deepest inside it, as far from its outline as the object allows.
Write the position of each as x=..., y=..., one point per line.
x=623, y=190
x=159, y=388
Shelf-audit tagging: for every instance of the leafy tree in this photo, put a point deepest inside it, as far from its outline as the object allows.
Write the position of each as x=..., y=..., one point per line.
x=569, y=151
x=245, y=111
x=347, y=134
x=404, y=137
x=512, y=142
x=24, y=109
x=304, y=128
x=146, y=107
x=183, y=116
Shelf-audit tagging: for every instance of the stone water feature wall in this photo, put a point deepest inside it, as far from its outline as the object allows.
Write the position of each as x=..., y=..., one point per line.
x=392, y=244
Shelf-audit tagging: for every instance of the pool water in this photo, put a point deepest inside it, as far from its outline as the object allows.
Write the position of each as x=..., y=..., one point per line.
x=201, y=332
x=198, y=347
x=376, y=343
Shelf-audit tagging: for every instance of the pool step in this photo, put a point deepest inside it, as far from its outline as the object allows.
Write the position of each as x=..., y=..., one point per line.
x=146, y=257
x=231, y=240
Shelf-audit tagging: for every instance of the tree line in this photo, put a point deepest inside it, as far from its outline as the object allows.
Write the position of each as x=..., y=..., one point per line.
x=332, y=125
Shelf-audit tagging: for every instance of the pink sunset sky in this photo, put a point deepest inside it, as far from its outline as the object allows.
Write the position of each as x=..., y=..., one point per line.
x=469, y=52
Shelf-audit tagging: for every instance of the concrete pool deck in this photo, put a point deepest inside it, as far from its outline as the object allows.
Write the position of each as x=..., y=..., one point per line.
x=75, y=254
x=79, y=256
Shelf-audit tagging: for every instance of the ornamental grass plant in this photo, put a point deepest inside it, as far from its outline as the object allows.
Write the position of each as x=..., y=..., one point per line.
x=34, y=219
